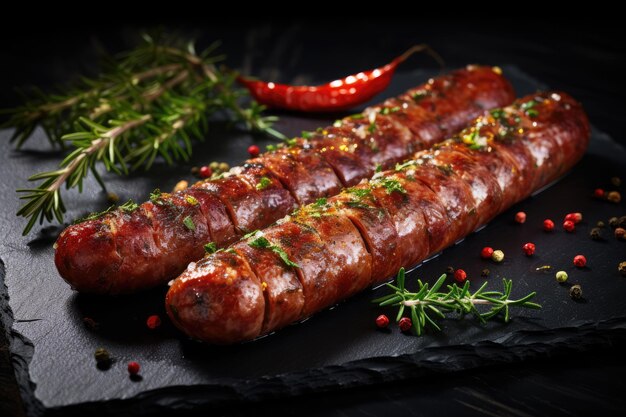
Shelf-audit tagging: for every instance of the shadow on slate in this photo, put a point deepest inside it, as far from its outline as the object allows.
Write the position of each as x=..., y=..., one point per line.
x=336, y=349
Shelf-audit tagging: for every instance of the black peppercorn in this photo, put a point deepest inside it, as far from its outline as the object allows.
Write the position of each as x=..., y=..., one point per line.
x=595, y=234
x=576, y=292
x=621, y=222
x=616, y=181
x=622, y=268
x=102, y=355
x=600, y=224
x=485, y=272
x=613, y=222
x=450, y=270
x=90, y=323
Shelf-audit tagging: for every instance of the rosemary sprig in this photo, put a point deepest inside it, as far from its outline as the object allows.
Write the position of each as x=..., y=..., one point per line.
x=150, y=102
x=427, y=303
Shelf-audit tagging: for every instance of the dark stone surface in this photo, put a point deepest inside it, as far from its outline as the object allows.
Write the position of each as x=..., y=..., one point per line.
x=336, y=349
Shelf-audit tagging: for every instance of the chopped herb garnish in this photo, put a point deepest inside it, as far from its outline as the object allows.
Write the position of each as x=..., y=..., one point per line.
x=357, y=116
x=387, y=110
x=403, y=166
x=446, y=169
x=372, y=127
x=189, y=224
x=210, y=247
x=338, y=123
x=291, y=142
x=154, y=195
x=94, y=216
x=129, y=206
x=497, y=113
x=379, y=168
x=271, y=148
x=307, y=135
x=356, y=204
x=528, y=105
x=320, y=202
x=418, y=96
x=359, y=192
x=264, y=182
x=262, y=243
x=532, y=113
x=391, y=185
x=191, y=200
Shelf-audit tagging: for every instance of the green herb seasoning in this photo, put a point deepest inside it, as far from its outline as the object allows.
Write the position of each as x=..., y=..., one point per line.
x=262, y=243
x=129, y=206
x=419, y=96
x=210, y=247
x=189, y=224
x=191, y=200
x=264, y=182
x=391, y=185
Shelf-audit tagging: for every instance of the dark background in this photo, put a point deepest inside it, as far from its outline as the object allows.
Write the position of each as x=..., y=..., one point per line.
x=584, y=57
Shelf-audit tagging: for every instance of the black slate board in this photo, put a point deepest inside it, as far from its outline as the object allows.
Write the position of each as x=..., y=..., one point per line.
x=339, y=348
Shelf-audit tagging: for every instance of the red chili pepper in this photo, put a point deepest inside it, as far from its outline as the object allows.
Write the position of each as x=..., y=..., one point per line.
x=337, y=95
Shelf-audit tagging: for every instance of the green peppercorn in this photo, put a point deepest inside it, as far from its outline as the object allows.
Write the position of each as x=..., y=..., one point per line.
x=497, y=256
x=224, y=167
x=214, y=166
x=102, y=355
x=622, y=268
x=595, y=234
x=621, y=222
x=613, y=222
x=576, y=292
x=561, y=276
x=485, y=272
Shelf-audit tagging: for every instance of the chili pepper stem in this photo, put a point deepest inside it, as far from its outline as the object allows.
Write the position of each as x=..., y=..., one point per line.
x=421, y=48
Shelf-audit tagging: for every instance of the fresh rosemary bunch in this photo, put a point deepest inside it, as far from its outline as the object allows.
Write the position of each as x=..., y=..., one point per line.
x=150, y=102
x=428, y=303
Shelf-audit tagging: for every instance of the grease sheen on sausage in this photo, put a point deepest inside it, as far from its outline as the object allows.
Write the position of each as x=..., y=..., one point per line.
x=123, y=252
x=399, y=217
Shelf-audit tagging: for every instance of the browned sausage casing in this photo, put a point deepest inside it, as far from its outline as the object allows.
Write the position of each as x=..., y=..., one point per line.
x=362, y=236
x=122, y=252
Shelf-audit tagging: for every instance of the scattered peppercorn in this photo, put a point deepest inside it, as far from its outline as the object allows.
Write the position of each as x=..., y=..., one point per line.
x=254, y=151
x=614, y=197
x=180, y=186
x=133, y=368
x=205, y=172
x=224, y=167
x=561, y=276
x=576, y=292
x=153, y=322
x=485, y=272
x=613, y=222
x=616, y=181
x=460, y=276
x=574, y=217
x=195, y=171
x=486, y=252
x=580, y=261
x=548, y=225
x=520, y=217
x=497, y=256
x=102, y=356
x=622, y=268
x=528, y=248
x=600, y=224
x=214, y=166
x=569, y=226
x=621, y=222
x=450, y=270
x=620, y=234
x=90, y=323
x=382, y=321
x=596, y=233
x=112, y=197
x=405, y=324
x=598, y=193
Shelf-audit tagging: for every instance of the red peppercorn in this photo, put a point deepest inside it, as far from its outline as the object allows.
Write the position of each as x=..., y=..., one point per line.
x=520, y=217
x=580, y=261
x=569, y=226
x=529, y=248
x=548, y=225
x=598, y=193
x=254, y=151
x=382, y=321
x=133, y=368
x=153, y=321
x=205, y=172
x=460, y=276
x=486, y=252
x=405, y=324
x=574, y=217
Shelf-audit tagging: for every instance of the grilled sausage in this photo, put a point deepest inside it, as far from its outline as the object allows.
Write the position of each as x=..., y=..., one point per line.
x=128, y=250
x=326, y=251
